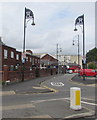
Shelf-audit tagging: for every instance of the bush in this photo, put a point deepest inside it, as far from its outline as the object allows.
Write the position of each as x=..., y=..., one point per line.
x=92, y=65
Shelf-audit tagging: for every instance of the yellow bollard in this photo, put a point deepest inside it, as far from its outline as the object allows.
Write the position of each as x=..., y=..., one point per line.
x=75, y=98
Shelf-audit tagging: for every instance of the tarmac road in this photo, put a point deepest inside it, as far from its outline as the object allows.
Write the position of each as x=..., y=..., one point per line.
x=48, y=99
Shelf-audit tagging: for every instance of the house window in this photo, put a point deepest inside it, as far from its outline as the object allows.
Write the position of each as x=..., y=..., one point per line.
x=35, y=60
x=11, y=67
x=30, y=68
x=26, y=58
x=17, y=56
x=38, y=61
x=5, y=54
x=4, y=65
x=12, y=54
x=30, y=59
x=17, y=66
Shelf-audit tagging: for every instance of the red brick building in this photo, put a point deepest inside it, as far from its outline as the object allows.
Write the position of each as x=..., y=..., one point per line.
x=12, y=67
x=48, y=60
x=13, y=58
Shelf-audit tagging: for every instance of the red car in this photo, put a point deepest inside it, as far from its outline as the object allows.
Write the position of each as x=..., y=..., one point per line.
x=88, y=72
x=74, y=69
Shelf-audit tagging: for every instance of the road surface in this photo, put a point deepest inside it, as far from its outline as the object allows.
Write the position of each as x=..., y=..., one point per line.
x=19, y=100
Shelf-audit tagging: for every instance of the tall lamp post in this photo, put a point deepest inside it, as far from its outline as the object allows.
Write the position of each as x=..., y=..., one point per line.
x=80, y=21
x=57, y=59
x=78, y=49
x=57, y=56
x=28, y=16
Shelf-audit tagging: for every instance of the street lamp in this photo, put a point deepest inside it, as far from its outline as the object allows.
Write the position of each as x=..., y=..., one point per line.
x=75, y=29
x=29, y=16
x=78, y=49
x=80, y=21
x=57, y=56
x=57, y=59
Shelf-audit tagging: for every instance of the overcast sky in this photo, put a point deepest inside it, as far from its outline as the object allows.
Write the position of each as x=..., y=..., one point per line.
x=54, y=24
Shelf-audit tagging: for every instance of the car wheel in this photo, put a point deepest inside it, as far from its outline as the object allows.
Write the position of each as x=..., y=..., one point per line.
x=96, y=76
x=84, y=75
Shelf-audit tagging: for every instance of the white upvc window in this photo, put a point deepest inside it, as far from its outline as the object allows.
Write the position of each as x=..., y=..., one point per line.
x=5, y=54
x=12, y=54
x=17, y=56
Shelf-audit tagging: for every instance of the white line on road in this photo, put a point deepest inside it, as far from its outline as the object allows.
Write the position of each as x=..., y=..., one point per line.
x=89, y=103
x=3, y=93
x=38, y=101
x=89, y=99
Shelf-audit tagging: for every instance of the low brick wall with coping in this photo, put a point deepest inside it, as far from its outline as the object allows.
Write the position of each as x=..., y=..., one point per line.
x=16, y=76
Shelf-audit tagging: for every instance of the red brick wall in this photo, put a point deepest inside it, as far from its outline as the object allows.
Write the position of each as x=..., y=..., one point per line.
x=16, y=76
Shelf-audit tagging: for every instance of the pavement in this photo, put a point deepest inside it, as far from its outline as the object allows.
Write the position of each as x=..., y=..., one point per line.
x=26, y=87
x=89, y=81
x=62, y=104
x=35, y=86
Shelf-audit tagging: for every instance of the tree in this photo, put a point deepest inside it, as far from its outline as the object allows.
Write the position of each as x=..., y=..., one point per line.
x=91, y=56
x=91, y=65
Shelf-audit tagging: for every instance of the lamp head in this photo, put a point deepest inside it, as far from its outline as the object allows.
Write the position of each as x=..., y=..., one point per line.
x=73, y=43
x=33, y=22
x=75, y=29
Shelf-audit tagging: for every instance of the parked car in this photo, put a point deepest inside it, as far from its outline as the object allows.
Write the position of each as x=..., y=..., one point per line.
x=69, y=71
x=88, y=72
x=75, y=69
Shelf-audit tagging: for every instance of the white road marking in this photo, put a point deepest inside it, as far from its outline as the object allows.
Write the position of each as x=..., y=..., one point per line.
x=89, y=103
x=40, y=116
x=38, y=101
x=90, y=113
x=89, y=99
x=85, y=102
x=2, y=93
x=59, y=84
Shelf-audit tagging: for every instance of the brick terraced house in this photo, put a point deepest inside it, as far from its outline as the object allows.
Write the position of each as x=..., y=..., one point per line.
x=13, y=58
x=13, y=68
